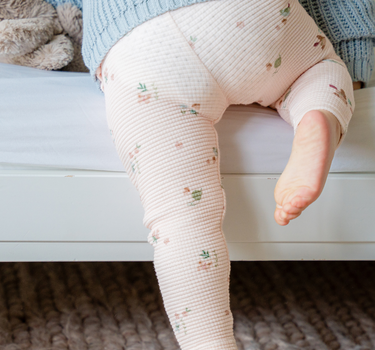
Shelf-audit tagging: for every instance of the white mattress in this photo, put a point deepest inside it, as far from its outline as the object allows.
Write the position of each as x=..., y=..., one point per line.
x=57, y=119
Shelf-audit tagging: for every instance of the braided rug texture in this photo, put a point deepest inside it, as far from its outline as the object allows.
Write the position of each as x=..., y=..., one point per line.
x=118, y=305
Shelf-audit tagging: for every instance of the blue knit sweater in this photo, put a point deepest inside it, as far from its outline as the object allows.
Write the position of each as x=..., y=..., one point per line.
x=349, y=25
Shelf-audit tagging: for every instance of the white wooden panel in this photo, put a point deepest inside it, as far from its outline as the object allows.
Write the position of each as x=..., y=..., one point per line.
x=76, y=251
x=131, y=251
x=345, y=211
x=56, y=205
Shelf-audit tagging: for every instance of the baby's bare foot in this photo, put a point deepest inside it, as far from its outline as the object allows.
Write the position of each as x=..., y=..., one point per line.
x=304, y=177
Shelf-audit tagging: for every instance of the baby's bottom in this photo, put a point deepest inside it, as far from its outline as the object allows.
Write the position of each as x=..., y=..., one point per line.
x=166, y=84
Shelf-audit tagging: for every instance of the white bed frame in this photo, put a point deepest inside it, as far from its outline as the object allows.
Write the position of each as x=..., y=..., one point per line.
x=75, y=215
x=81, y=215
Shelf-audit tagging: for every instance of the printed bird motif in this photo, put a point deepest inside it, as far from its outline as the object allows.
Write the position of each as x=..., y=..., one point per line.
x=192, y=43
x=185, y=313
x=204, y=265
x=208, y=161
x=155, y=236
x=322, y=41
x=144, y=98
x=193, y=110
x=285, y=12
x=214, y=157
x=340, y=93
x=196, y=106
x=197, y=195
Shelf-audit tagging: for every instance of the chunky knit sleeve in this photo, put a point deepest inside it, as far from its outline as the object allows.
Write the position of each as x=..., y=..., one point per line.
x=350, y=26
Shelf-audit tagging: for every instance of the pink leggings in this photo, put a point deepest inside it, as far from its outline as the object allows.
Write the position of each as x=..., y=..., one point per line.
x=167, y=83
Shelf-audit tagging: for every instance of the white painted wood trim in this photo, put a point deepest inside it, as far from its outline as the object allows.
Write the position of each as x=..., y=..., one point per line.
x=140, y=251
x=71, y=215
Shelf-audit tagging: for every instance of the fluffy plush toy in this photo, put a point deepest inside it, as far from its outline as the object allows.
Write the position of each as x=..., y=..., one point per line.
x=35, y=34
x=70, y=17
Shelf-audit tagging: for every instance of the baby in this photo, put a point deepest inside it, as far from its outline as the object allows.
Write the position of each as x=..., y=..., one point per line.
x=319, y=131
x=167, y=80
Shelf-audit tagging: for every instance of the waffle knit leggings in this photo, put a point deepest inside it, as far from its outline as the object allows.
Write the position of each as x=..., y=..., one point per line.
x=166, y=83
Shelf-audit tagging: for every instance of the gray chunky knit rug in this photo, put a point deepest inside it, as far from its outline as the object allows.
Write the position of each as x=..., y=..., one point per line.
x=114, y=306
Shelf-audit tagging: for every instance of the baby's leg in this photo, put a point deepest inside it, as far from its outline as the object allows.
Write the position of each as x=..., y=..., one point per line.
x=162, y=105
x=319, y=105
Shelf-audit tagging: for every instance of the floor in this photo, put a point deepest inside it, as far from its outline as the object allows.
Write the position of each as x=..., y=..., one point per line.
x=113, y=306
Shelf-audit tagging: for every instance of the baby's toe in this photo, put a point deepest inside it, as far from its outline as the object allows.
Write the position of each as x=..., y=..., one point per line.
x=287, y=212
x=290, y=209
x=285, y=215
x=279, y=216
x=292, y=216
x=300, y=203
